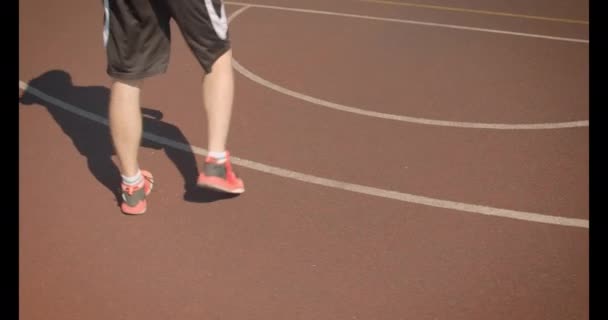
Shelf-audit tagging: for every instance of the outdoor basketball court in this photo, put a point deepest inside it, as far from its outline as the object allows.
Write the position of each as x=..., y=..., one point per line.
x=402, y=160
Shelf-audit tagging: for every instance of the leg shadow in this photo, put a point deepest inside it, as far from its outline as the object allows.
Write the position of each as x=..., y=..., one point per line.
x=93, y=141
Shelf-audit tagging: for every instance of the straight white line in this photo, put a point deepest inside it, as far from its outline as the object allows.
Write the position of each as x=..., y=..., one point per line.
x=377, y=192
x=430, y=24
x=476, y=11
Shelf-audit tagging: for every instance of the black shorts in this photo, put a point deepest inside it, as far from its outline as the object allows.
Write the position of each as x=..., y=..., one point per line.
x=137, y=36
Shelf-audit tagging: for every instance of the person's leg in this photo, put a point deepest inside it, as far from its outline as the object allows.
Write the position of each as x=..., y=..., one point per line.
x=135, y=50
x=126, y=124
x=211, y=46
x=126, y=131
x=218, y=93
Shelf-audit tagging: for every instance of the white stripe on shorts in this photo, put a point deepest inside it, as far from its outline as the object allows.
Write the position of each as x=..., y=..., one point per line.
x=220, y=23
x=106, y=26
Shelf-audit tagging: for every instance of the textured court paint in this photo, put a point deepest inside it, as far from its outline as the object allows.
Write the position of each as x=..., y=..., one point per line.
x=377, y=192
x=423, y=23
x=476, y=11
x=424, y=121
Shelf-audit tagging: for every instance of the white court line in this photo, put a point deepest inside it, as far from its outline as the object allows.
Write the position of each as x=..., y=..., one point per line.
x=430, y=24
x=477, y=11
x=377, y=192
x=433, y=122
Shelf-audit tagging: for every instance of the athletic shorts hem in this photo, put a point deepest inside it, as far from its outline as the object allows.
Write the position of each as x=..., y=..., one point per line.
x=208, y=67
x=136, y=75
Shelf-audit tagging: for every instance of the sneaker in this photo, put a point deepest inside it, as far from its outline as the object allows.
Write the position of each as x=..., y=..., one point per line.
x=220, y=176
x=134, y=197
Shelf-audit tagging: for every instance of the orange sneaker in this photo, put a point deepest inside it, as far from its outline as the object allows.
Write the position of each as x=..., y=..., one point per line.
x=220, y=176
x=134, y=197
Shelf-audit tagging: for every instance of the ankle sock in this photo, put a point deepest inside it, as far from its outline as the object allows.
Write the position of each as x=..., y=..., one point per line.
x=218, y=156
x=133, y=180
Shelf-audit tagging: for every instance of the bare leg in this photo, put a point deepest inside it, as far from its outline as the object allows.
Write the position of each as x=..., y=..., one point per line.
x=218, y=93
x=126, y=123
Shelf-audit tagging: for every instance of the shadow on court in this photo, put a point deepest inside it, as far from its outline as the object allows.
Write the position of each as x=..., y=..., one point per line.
x=92, y=139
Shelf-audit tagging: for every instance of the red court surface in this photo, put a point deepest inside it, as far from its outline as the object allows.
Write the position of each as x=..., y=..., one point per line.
x=402, y=160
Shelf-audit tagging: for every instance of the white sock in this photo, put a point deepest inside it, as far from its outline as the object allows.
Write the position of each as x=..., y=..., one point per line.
x=218, y=155
x=134, y=180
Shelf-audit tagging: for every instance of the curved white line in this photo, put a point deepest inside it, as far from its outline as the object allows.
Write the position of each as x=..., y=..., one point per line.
x=425, y=121
x=237, y=12
x=430, y=24
x=377, y=192
x=433, y=122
